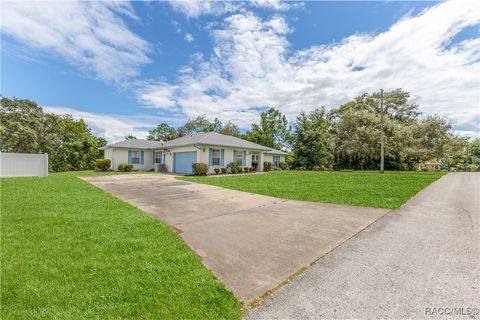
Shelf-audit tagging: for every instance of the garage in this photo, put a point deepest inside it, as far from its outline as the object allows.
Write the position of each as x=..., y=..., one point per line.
x=182, y=161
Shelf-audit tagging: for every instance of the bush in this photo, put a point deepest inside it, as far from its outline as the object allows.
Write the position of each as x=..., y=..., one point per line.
x=217, y=170
x=102, y=164
x=125, y=167
x=283, y=165
x=255, y=165
x=234, y=167
x=472, y=167
x=200, y=169
x=267, y=166
x=224, y=170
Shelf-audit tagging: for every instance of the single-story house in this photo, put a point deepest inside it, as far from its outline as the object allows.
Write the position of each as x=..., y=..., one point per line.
x=178, y=155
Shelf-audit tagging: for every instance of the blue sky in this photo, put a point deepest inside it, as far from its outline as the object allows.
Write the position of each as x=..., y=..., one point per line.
x=126, y=67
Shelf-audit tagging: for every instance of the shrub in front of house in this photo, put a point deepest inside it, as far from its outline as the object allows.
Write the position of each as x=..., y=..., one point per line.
x=283, y=166
x=200, y=169
x=267, y=166
x=234, y=167
x=224, y=170
x=255, y=165
x=125, y=167
x=102, y=164
x=216, y=170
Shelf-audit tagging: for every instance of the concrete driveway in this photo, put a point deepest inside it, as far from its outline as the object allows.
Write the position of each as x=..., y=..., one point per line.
x=250, y=242
x=420, y=262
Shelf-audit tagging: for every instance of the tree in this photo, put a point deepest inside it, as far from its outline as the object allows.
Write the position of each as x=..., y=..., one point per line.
x=230, y=129
x=163, y=132
x=313, y=142
x=272, y=131
x=26, y=128
x=357, y=131
x=130, y=137
x=199, y=124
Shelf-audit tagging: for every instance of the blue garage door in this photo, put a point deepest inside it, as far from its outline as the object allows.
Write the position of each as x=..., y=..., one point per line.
x=183, y=161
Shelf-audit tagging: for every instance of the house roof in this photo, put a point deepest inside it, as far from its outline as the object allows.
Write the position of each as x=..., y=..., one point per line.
x=202, y=138
x=135, y=144
x=213, y=139
x=275, y=151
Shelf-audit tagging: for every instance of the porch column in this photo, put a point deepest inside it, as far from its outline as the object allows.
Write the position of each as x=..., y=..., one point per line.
x=260, y=161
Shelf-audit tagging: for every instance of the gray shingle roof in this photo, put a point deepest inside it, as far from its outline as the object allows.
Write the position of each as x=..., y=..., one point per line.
x=135, y=144
x=213, y=139
x=203, y=138
x=275, y=151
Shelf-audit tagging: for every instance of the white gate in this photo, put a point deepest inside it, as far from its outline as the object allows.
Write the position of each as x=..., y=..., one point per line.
x=23, y=165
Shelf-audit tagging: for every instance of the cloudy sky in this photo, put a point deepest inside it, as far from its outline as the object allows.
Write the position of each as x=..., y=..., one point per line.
x=126, y=66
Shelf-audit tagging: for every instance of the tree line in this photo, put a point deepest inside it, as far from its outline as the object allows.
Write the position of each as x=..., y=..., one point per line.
x=346, y=137
x=27, y=128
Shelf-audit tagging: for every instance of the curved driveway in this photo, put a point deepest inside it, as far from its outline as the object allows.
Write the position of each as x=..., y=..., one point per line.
x=411, y=263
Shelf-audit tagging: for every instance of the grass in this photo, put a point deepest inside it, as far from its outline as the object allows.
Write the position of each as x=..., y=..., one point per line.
x=358, y=188
x=72, y=251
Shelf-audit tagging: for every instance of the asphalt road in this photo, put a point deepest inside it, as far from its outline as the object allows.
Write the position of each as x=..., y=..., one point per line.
x=419, y=262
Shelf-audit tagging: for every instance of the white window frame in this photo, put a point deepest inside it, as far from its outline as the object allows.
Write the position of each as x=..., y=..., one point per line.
x=135, y=156
x=155, y=156
x=254, y=157
x=239, y=160
x=216, y=157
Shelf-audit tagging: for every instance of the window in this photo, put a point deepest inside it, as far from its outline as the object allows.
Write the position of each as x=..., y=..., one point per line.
x=254, y=157
x=215, y=157
x=136, y=157
x=158, y=157
x=238, y=157
x=276, y=161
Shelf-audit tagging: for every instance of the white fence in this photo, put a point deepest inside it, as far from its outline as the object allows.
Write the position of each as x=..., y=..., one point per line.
x=23, y=165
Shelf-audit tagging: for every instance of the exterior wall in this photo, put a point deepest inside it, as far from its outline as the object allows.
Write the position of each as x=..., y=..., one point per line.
x=269, y=157
x=120, y=155
x=228, y=156
x=23, y=165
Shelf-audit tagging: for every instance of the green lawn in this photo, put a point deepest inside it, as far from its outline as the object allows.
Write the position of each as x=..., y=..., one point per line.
x=359, y=188
x=72, y=251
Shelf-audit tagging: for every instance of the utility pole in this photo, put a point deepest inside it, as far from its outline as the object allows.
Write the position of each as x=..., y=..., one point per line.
x=382, y=134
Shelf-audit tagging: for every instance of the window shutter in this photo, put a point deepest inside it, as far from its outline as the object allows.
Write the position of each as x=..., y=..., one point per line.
x=210, y=156
x=234, y=151
x=129, y=156
x=222, y=159
x=141, y=157
x=244, y=159
x=154, y=155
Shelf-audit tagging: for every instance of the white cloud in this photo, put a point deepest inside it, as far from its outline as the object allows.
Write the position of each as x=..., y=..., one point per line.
x=188, y=37
x=89, y=34
x=276, y=4
x=253, y=65
x=196, y=8
x=157, y=95
x=112, y=127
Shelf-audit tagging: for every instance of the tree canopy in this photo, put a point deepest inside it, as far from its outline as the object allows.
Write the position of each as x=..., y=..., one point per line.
x=26, y=128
